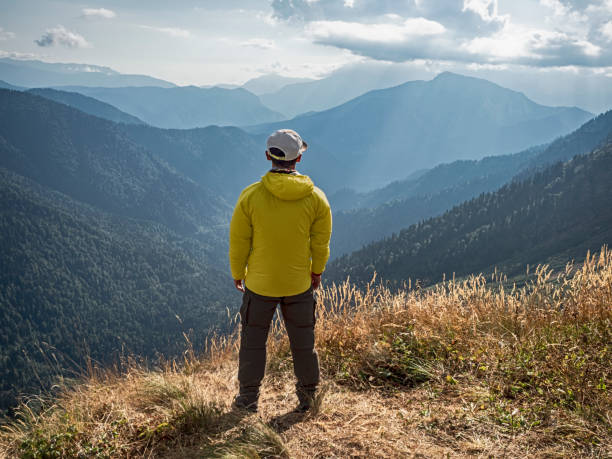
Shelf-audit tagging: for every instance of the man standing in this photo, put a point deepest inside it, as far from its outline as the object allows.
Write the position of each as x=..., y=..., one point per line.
x=279, y=244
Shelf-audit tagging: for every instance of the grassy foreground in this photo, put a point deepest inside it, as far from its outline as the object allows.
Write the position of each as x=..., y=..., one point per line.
x=466, y=368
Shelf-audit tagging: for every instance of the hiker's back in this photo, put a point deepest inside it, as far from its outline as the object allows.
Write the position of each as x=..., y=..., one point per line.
x=282, y=211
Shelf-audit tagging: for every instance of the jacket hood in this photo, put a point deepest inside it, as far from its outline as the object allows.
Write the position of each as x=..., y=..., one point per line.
x=288, y=187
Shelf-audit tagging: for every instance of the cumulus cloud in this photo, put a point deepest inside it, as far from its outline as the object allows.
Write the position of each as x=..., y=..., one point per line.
x=61, y=36
x=260, y=43
x=171, y=31
x=541, y=48
x=606, y=31
x=5, y=34
x=374, y=33
x=459, y=16
x=574, y=33
x=103, y=13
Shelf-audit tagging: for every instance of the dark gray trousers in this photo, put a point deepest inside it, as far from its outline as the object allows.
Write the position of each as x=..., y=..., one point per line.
x=298, y=312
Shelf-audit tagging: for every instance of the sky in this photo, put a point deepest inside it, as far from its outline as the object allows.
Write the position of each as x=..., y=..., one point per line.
x=548, y=48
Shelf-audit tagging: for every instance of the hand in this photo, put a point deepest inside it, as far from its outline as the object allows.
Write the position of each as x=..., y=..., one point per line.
x=239, y=284
x=315, y=280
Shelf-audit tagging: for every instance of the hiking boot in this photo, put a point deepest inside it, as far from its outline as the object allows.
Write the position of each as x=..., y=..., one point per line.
x=245, y=403
x=306, y=396
x=302, y=408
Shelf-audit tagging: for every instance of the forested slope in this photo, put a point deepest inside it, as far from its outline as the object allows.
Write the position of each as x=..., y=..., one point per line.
x=95, y=162
x=565, y=209
x=106, y=247
x=434, y=191
x=78, y=283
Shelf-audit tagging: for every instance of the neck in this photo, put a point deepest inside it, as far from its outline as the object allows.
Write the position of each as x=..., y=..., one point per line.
x=284, y=170
x=278, y=168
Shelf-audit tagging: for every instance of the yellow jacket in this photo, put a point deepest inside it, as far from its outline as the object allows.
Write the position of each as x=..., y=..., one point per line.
x=279, y=234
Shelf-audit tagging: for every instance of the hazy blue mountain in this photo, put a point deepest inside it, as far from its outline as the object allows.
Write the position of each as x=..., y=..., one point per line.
x=385, y=135
x=87, y=104
x=77, y=283
x=340, y=86
x=32, y=73
x=403, y=203
x=225, y=159
x=495, y=170
x=94, y=161
x=185, y=107
x=271, y=82
x=431, y=193
x=590, y=135
x=558, y=213
x=5, y=85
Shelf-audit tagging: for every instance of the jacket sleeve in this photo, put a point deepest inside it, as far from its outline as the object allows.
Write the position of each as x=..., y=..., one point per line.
x=241, y=233
x=320, y=234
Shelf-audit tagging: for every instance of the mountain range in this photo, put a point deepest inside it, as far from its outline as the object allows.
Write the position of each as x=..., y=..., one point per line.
x=114, y=231
x=93, y=161
x=34, y=73
x=105, y=238
x=361, y=218
x=184, y=107
x=338, y=87
x=86, y=104
x=387, y=134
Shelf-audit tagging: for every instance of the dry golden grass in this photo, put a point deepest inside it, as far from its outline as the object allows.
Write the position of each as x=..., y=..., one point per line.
x=464, y=369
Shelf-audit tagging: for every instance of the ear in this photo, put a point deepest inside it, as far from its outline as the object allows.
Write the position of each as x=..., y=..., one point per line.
x=268, y=157
x=299, y=158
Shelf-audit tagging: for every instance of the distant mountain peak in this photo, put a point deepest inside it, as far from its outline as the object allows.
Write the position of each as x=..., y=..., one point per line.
x=447, y=75
x=458, y=77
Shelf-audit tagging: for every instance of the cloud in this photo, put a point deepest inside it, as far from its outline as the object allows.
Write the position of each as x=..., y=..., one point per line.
x=103, y=13
x=574, y=33
x=327, y=31
x=61, y=36
x=17, y=55
x=512, y=45
x=5, y=34
x=539, y=48
x=606, y=31
x=462, y=17
x=261, y=43
x=171, y=31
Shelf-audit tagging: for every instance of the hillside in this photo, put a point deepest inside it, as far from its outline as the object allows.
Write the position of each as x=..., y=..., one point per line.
x=81, y=284
x=184, y=107
x=382, y=212
x=356, y=228
x=111, y=223
x=387, y=134
x=224, y=159
x=93, y=161
x=36, y=74
x=465, y=369
x=560, y=212
x=590, y=135
x=87, y=105
x=5, y=85
x=494, y=169
x=499, y=168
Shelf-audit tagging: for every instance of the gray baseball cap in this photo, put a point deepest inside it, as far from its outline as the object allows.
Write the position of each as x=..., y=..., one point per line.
x=288, y=142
